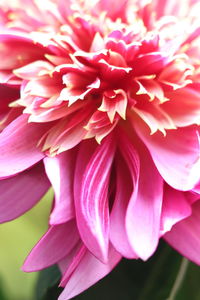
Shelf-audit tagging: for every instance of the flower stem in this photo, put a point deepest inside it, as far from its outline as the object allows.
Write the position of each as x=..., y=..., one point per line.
x=179, y=279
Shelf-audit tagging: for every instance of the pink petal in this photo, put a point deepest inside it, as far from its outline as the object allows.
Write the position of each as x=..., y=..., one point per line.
x=118, y=8
x=89, y=271
x=43, y=86
x=69, y=264
x=170, y=7
x=176, y=155
x=192, y=196
x=91, y=196
x=60, y=171
x=124, y=189
x=197, y=188
x=184, y=106
x=20, y=193
x=193, y=35
x=144, y=208
x=65, y=9
x=7, y=95
x=57, y=242
x=150, y=63
x=185, y=235
x=46, y=115
x=23, y=50
x=18, y=146
x=33, y=70
x=175, y=208
x=154, y=116
x=67, y=133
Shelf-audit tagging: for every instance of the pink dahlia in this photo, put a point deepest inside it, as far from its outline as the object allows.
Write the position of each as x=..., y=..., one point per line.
x=101, y=100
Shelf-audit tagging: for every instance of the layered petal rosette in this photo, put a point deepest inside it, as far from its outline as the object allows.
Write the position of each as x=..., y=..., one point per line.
x=101, y=101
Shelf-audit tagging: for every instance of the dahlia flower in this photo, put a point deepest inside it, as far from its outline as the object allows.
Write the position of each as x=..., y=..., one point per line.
x=101, y=101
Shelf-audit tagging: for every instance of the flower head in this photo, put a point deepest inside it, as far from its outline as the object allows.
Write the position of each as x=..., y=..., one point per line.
x=101, y=99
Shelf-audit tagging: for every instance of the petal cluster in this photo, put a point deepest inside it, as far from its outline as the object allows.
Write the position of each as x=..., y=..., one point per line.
x=101, y=101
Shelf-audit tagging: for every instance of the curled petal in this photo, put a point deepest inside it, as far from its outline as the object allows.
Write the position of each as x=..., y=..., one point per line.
x=185, y=235
x=175, y=208
x=60, y=171
x=176, y=155
x=144, y=207
x=124, y=189
x=91, y=196
x=34, y=69
x=67, y=133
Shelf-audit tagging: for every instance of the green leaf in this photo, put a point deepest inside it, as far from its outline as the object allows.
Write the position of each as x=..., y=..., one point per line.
x=47, y=284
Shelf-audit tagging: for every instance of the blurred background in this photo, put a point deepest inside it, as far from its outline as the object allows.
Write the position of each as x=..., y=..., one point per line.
x=17, y=239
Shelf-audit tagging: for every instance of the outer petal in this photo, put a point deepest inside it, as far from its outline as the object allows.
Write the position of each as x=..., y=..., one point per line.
x=176, y=155
x=20, y=193
x=185, y=235
x=124, y=190
x=175, y=208
x=91, y=201
x=184, y=106
x=23, y=50
x=89, y=270
x=60, y=171
x=144, y=208
x=53, y=246
x=18, y=146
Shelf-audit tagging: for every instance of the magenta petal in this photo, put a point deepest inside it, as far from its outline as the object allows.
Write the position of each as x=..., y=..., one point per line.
x=144, y=208
x=89, y=271
x=69, y=264
x=60, y=171
x=20, y=46
x=53, y=246
x=150, y=63
x=176, y=155
x=21, y=192
x=7, y=95
x=91, y=199
x=192, y=196
x=18, y=146
x=185, y=235
x=184, y=108
x=118, y=8
x=197, y=188
x=124, y=190
x=175, y=208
